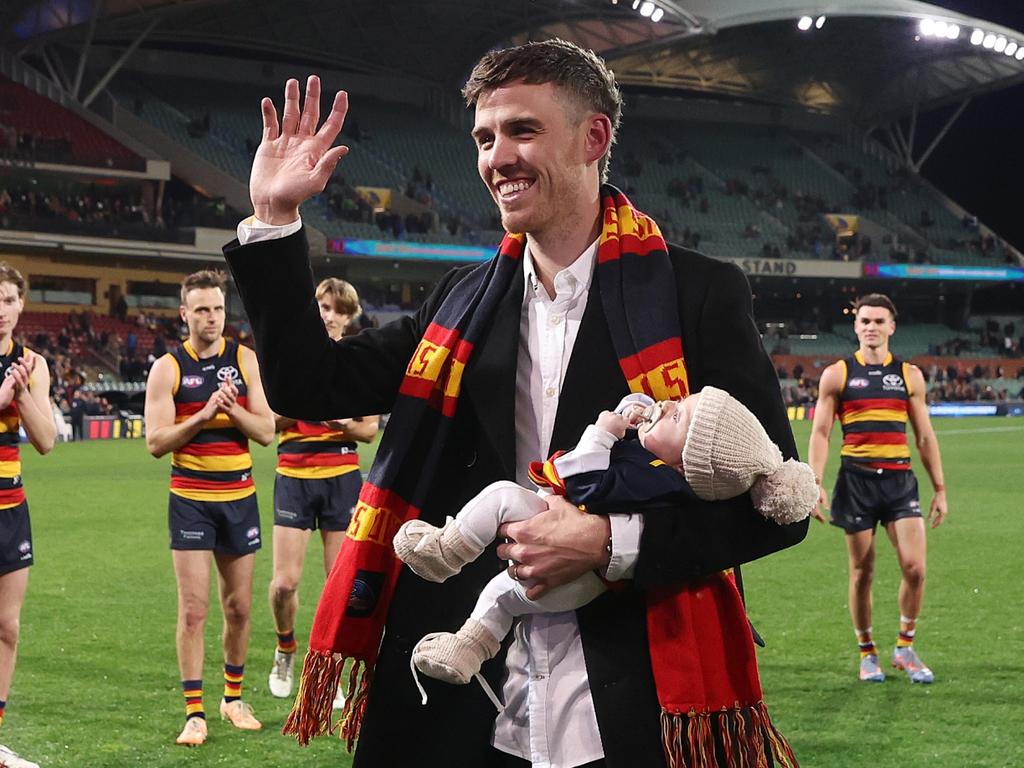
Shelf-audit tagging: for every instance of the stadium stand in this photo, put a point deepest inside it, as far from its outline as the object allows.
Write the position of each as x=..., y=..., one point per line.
x=33, y=128
x=731, y=190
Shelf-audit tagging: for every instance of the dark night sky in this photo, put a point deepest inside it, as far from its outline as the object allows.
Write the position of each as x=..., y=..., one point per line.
x=980, y=163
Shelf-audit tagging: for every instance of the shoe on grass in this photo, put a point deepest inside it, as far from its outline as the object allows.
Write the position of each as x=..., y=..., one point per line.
x=870, y=671
x=339, y=699
x=908, y=660
x=282, y=675
x=193, y=734
x=9, y=759
x=239, y=714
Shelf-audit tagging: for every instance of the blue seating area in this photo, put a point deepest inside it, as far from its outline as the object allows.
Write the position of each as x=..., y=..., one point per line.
x=753, y=191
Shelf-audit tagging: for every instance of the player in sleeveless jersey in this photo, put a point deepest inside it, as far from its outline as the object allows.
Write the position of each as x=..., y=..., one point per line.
x=874, y=395
x=204, y=403
x=24, y=402
x=317, y=486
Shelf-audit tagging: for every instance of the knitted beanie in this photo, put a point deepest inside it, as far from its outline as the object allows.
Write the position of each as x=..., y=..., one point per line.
x=726, y=448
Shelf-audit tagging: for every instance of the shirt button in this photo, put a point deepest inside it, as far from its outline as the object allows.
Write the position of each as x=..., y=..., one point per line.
x=549, y=392
x=556, y=320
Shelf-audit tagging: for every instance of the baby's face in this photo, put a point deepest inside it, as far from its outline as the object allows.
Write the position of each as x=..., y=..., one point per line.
x=663, y=430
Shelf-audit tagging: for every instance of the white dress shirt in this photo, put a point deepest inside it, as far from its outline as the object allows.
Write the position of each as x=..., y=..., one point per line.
x=549, y=718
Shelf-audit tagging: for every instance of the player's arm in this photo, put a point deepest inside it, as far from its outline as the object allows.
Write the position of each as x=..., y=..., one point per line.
x=34, y=404
x=255, y=420
x=927, y=443
x=163, y=435
x=362, y=428
x=281, y=423
x=829, y=387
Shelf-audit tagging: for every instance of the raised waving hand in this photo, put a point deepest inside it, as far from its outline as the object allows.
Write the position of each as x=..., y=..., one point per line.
x=295, y=160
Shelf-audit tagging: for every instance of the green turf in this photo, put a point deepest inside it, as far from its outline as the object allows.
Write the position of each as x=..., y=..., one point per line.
x=97, y=682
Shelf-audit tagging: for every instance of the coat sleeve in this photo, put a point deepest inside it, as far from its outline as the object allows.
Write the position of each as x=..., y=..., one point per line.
x=695, y=538
x=306, y=375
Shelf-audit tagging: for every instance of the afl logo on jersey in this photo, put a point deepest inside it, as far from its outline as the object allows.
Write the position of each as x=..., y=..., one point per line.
x=892, y=381
x=858, y=383
x=228, y=373
x=191, y=381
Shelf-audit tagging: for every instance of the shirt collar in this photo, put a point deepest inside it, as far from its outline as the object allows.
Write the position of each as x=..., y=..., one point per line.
x=571, y=282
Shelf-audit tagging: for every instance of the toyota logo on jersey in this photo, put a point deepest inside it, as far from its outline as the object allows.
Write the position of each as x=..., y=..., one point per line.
x=228, y=373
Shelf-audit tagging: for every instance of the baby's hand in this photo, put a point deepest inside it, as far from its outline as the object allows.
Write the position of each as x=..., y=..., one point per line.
x=613, y=423
x=635, y=414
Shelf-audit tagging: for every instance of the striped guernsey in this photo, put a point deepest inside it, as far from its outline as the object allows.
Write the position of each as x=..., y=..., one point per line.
x=310, y=450
x=873, y=405
x=215, y=465
x=11, y=491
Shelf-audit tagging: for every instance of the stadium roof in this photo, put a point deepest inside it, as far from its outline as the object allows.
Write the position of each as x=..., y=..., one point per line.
x=868, y=61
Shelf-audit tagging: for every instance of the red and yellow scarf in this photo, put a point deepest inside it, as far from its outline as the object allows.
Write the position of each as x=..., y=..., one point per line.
x=701, y=647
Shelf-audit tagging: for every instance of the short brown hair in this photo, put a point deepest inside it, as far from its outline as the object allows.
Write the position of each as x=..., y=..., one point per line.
x=9, y=274
x=346, y=299
x=874, y=300
x=204, y=278
x=581, y=73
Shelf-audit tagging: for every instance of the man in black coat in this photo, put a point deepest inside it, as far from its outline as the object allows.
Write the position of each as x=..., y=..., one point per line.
x=546, y=115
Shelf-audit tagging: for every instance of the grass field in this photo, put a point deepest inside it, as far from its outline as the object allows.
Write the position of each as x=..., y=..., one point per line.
x=97, y=683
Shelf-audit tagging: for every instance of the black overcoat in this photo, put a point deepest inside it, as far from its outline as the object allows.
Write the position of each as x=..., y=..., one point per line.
x=308, y=376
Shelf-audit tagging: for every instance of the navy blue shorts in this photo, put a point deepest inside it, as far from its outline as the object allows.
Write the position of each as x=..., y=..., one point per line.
x=227, y=527
x=863, y=498
x=325, y=503
x=15, y=538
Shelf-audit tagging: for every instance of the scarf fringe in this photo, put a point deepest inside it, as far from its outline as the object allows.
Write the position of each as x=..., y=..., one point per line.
x=356, y=694
x=741, y=736
x=311, y=713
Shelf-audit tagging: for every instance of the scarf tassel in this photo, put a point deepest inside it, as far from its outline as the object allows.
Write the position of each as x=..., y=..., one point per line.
x=356, y=693
x=311, y=713
x=740, y=736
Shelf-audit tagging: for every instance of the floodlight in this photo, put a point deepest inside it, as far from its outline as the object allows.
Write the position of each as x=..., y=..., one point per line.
x=1011, y=48
x=805, y=23
x=953, y=31
x=647, y=9
x=989, y=40
x=1019, y=54
x=939, y=30
x=977, y=36
x=927, y=27
x=636, y=4
x=1000, y=44
x=819, y=22
x=657, y=15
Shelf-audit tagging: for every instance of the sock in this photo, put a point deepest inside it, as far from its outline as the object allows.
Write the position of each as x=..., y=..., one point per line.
x=908, y=628
x=193, y=692
x=286, y=641
x=3, y=706
x=233, y=682
x=865, y=643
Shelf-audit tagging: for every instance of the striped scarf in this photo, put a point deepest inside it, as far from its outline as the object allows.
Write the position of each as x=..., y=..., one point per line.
x=638, y=295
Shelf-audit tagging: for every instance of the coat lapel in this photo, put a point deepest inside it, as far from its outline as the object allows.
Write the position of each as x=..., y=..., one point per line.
x=490, y=378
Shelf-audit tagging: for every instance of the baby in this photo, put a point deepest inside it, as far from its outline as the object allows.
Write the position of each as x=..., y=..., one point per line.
x=708, y=445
